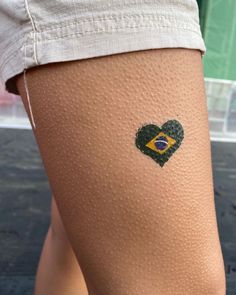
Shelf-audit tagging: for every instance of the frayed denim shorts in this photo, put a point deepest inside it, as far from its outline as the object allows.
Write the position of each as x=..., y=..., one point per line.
x=37, y=32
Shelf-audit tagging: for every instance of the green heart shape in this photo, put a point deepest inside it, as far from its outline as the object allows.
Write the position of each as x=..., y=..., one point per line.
x=162, y=141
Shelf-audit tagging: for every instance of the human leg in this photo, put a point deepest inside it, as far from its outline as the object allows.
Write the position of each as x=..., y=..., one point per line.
x=58, y=270
x=136, y=228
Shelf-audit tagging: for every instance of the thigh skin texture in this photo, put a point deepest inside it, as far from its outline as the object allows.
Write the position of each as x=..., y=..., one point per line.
x=136, y=227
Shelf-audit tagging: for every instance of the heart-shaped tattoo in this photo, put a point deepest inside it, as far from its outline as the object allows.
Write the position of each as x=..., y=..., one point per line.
x=160, y=143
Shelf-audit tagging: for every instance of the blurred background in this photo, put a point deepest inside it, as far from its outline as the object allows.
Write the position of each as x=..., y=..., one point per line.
x=24, y=189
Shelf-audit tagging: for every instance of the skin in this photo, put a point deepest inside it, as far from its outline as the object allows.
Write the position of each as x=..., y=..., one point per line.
x=58, y=270
x=135, y=228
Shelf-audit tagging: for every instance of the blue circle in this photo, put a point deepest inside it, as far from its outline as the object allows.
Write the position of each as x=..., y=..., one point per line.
x=161, y=143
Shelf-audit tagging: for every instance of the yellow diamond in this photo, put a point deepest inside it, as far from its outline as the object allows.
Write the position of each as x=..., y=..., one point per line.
x=169, y=143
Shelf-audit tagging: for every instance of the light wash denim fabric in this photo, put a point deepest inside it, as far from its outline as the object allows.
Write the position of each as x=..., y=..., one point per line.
x=37, y=32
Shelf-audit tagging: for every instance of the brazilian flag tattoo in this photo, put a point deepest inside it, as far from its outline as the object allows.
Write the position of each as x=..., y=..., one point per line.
x=160, y=143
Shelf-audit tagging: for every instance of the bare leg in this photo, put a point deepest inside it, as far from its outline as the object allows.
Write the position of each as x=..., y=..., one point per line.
x=58, y=271
x=136, y=228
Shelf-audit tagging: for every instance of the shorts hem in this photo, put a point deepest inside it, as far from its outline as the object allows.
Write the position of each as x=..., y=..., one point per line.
x=76, y=41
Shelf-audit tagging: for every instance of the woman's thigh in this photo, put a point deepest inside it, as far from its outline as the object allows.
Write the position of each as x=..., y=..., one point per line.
x=136, y=227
